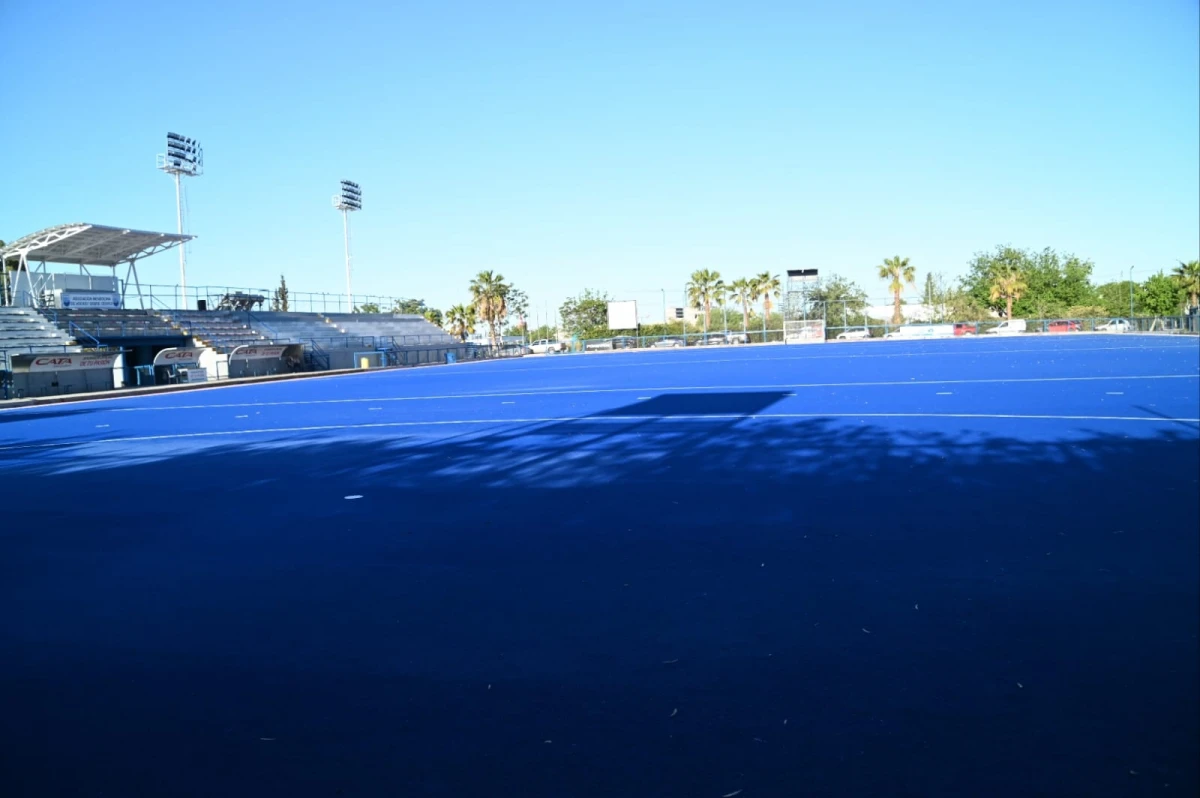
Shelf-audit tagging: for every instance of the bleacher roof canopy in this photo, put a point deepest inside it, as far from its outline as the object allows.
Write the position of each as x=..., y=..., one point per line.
x=90, y=245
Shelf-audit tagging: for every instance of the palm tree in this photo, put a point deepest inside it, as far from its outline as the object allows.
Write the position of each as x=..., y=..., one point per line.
x=765, y=287
x=1008, y=283
x=433, y=316
x=705, y=287
x=1188, y=277
x=460, y=321
x=742, y=289
x=489, y=293
x=899, y=271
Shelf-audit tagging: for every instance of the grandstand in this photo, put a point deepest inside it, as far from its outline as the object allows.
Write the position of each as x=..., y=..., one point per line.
x=25, y=331
x=222, y=330
x=106, y=326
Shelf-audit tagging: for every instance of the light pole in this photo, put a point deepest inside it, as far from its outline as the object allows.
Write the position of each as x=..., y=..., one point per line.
x=664, y=294
x=349, y=199
x=1131, y=295
x=183, y=158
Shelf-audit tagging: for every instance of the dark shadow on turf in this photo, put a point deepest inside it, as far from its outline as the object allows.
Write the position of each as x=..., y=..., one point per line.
x=699, y=404
x=931, y=614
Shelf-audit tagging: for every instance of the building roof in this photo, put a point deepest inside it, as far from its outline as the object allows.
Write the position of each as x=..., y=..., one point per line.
x=90, y=245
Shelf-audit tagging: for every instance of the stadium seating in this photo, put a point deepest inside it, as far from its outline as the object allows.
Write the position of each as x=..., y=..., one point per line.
x=405, y=330
x=104, y=325
x=223, y=330
x=25, y=331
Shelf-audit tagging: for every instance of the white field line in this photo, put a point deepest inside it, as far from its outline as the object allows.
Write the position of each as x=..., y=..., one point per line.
x=500, y=422
x=644, y=389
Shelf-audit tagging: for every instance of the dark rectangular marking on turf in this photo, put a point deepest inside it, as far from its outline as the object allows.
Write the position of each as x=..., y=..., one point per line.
x=699, y=404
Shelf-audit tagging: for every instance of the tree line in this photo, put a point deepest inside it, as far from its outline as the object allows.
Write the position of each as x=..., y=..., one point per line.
x=1007, y=282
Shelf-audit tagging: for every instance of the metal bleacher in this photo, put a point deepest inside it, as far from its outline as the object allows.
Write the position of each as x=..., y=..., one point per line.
x=98, y=326
x=223, y=330
x=24, y=331
x=398, y=329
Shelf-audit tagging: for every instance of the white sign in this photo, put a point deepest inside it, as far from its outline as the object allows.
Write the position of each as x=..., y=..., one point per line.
x=89, y=300
x=194, y=374
x=75, y=362
x=257, y=352
x=183, y=358
x=623, y=315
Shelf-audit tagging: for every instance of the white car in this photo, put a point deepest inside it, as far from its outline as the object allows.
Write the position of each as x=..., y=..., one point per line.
x=1116, y=325
x=547, y=346
x=854, y=335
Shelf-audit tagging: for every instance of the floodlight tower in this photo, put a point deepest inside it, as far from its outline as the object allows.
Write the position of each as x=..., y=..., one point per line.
x=348, y=199
x=183, y=158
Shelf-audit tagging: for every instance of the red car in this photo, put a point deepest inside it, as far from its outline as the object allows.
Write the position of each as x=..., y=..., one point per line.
x=1065, y=325
x=965, y=328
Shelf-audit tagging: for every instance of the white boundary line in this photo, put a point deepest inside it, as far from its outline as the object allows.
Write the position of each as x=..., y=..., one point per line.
x=601, y=419
x=644, y=389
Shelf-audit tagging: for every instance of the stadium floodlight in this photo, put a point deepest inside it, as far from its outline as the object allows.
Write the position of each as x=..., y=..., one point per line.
x=184, y=158
x=348, y=199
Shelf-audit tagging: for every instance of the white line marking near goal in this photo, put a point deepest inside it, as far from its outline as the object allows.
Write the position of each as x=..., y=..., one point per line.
x=659, y=389
x=1114, y=393
x=502, y=422
x=945, y=393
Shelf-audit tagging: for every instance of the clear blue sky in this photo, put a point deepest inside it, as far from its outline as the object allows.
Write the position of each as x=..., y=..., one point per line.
x=613, y=145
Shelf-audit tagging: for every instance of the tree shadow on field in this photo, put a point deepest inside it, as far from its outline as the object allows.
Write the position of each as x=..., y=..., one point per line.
x=642, y=602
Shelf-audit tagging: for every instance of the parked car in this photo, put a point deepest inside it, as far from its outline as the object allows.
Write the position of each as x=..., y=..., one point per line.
x=547, y=346
x=737, y=338
x=668, y=343
x=624, y=342
x=1116, y=325
x=854, y=335
x=712, y=339
x=965, y=328
x=1064, y=325
x=1007, y=327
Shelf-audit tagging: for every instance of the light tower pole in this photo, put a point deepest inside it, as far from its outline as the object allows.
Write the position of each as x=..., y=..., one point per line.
x=184, y=158
x=348, y=199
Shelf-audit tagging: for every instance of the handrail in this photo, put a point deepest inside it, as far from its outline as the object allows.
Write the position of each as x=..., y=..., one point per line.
x=257, y=322
x=72, y=328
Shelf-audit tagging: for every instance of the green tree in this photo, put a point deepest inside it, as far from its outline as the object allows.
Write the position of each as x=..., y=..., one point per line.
x=837, y=293
x=433, y=316
x=460, y=321
x=585, y=316
x=1114, y=297
x=766, y=286
x=1008, y=284
x=743, y=291
x=1053, y=282
x=543, y=333
x=409, y=307
x=279, y=302
x=518, y=305
x=705, y=287
x=897, y=271
x=1160, y=295
x=367, y=307
x=1187, y=275
x=489, y=295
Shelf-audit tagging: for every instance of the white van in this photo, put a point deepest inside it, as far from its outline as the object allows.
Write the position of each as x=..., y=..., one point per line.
x=1008, y=327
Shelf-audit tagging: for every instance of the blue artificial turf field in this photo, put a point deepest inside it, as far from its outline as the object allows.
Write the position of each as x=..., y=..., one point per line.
x=965, y=567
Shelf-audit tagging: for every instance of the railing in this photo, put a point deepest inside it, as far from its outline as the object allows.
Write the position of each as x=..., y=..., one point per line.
x=171, y=297
x=74, y=329
x=320, y=356
x=875, y=329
